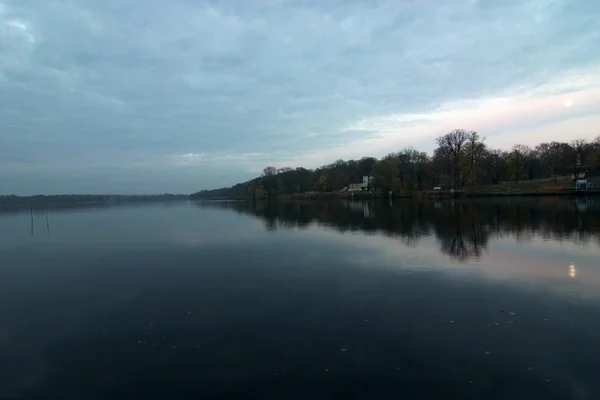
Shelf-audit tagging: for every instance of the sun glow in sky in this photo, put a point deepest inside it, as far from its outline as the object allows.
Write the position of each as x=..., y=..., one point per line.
x=130, y=96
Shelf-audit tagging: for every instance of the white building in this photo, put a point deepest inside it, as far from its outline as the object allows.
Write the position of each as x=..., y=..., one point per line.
x=364, y=185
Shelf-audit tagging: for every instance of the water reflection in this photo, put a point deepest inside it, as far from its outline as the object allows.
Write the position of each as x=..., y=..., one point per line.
x=572, y=270
x=149, y=300
x=462, y=228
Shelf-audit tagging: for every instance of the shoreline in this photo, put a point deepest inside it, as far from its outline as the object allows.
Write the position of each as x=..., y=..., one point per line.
x=421, y=195
x=53, y=201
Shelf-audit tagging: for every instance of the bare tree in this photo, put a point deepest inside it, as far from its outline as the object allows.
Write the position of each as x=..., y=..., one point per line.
x=269, y=171
x=474, y=152
x=579, y=145
x=517, y=157
x=462, y=151
x=451, y=147
x=593, y=156
x=494, y=164
x=552, y=155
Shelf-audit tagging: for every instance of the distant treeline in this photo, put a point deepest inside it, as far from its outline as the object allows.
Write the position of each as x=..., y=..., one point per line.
x=461, y=159
x=463, y=228
x=44, y=200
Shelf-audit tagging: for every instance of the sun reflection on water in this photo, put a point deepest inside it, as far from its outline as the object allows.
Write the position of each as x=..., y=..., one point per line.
x=572, y=270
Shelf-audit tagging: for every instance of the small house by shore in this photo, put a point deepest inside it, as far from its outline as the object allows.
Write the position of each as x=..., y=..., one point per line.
x=588, y=184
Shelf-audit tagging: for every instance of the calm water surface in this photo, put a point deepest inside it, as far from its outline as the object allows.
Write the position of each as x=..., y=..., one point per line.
x=495, y=299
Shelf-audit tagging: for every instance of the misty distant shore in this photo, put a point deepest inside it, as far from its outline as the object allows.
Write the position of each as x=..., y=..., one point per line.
x=72, y=199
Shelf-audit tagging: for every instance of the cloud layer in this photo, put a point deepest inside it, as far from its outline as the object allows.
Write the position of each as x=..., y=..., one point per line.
x=148, y=96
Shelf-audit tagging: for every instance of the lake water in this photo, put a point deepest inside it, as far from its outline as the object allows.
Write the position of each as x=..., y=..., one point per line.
x=493, y=299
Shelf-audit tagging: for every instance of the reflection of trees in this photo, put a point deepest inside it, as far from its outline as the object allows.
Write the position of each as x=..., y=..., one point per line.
x=463, y=227
x=460, y=230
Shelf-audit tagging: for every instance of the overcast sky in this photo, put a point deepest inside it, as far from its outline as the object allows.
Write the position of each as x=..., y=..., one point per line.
x=148, y=96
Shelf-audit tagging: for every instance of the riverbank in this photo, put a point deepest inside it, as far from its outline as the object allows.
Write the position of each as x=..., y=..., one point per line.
x=329, y=196
x=522, y=189
x=425, y=194
x=422, y=195
x=559, y=188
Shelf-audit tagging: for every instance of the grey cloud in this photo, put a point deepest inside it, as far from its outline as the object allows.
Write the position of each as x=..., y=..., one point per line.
x=120, y=83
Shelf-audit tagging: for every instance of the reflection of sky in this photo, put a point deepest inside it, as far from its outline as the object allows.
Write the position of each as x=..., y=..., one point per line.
x=536, y=261
x=220, y=280
x=126, y=225
x=540, y=263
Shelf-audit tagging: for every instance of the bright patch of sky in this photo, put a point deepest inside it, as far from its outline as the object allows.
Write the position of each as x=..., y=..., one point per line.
x=152, y=96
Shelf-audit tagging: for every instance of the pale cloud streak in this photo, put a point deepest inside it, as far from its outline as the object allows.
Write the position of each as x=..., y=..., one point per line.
x=491, y=114
x=202, y=94
x=524, y=116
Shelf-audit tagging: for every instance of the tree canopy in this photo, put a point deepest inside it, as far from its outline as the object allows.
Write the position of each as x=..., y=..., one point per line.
x=462, y=158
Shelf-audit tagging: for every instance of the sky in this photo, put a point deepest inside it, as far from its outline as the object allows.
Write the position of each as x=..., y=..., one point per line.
x=149, y=96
